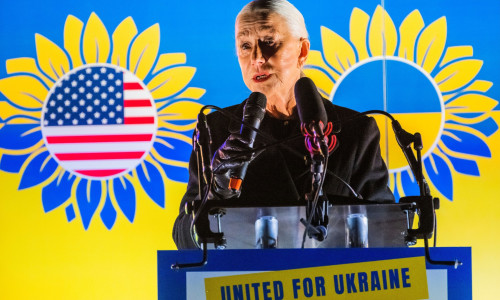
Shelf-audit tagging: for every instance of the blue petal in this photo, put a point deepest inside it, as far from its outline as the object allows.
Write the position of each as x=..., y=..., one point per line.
x=12, y=163
x=410, y=185
x=396, y=194
x=57, y=192
x=36, y=172
x=88, y=196
x=468, y=115
x=464, y=166
x=12, y=136
x=395, y=190
x=486, y=127
x=180, y=174
x=125, y=197
x=108, y=213
x=70, y=213
x=181, y=122
x=467, y=143
x=441, y=178
x=152, y=183
x=180, y=150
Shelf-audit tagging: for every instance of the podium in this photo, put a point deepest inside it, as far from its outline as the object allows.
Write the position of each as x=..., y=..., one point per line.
x=384, y=268
x=444, y=282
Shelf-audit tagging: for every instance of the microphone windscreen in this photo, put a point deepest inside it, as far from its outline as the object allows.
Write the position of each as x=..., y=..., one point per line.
x=255, y=107
x=309, y=102
x=253, y=113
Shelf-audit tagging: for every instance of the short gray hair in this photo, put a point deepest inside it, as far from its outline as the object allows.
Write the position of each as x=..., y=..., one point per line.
x=290, y=13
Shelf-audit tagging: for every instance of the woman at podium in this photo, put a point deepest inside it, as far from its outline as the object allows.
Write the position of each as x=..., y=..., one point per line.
x=272, y=46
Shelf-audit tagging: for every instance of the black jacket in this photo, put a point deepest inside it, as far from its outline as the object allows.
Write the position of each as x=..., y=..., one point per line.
x=282, y=172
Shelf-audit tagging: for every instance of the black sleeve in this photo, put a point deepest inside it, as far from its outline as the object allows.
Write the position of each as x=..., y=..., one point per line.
x=370, y=175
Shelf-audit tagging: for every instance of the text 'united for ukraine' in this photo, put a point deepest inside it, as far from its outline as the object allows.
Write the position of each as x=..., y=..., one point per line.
x=398, y=278
x=350, y=283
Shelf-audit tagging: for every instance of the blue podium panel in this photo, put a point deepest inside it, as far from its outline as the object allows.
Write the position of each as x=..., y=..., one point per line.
x=444, y=282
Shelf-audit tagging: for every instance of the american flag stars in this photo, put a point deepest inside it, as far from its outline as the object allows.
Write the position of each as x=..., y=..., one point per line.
x=78, y=95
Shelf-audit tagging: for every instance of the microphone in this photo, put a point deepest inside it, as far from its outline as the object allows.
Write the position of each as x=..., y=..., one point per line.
x=253, y=113
x=314, y=121
x=312, y=114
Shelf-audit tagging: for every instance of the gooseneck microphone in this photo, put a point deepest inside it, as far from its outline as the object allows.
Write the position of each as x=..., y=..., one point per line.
x=313, y=121
x=309, y=102
x=253, y=113
x=311, y=110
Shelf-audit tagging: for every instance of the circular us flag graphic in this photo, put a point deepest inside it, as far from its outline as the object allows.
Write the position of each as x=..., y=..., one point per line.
x=99, y=121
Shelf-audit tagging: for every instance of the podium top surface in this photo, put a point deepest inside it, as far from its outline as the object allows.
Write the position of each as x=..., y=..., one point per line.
x=386, y=223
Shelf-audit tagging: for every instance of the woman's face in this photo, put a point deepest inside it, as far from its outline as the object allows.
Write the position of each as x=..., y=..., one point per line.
x=270, y=57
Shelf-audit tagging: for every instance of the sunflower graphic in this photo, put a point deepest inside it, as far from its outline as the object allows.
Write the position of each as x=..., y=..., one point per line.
x=411, y=73
x=98, y=118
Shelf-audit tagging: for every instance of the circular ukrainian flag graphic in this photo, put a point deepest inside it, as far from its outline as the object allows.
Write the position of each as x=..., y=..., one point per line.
x=95, y=119
x=429, y=87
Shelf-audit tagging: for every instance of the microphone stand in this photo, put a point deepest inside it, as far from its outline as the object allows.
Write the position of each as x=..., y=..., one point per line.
x=201, y=144
x=316, y=209
x=317, y=205
x=425, y=204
